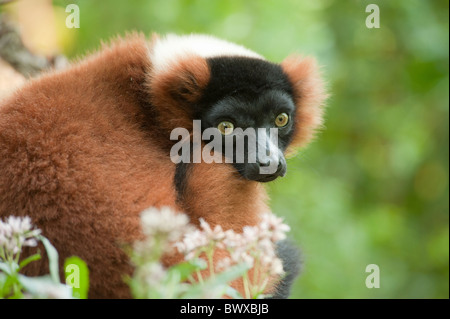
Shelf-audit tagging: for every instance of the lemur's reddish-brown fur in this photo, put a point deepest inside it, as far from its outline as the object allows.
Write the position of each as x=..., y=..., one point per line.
x=82, y=153
x=309, y=94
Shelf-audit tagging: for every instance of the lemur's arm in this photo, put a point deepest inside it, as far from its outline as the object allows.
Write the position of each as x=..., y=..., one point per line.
x=291, y=258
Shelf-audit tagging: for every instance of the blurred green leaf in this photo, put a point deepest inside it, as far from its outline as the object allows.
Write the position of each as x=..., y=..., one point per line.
x=29, y=259
x=53, y=259
x=77, y=276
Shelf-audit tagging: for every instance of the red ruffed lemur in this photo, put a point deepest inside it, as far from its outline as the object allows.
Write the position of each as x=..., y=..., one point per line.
x=84, y=150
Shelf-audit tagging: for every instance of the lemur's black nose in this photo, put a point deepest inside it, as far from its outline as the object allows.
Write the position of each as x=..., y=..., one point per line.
x=281, y=169
x=267, y=171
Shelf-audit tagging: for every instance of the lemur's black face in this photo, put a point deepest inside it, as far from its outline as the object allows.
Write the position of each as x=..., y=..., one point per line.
x=251, y=105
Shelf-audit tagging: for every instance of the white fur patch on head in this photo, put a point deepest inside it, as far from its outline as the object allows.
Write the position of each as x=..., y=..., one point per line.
x=172, y=48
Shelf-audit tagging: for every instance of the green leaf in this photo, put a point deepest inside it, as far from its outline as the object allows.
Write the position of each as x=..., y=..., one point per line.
x=10, y=286
x=233, y=293
x=7, y=284
x=185, y=269
x=27, y=260
x=45, y=287
x=5, y=268
x=77, y=276
x=52, y=258
x=219, y=285
x=231, y=274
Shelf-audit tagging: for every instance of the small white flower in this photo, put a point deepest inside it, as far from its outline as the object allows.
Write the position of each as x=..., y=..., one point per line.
x=164, y=222
x=250, y=234
x=192, y=241
x=15, y=233
x=242, y=255
x=190, y=255
x=153, y=274
x=276, y=267
x=247, y=259
x=5, y=229
x=232, y=239
x=224, y=263
x=273, y=227
x=144, y=248
x=216, y=234
x=266, y=246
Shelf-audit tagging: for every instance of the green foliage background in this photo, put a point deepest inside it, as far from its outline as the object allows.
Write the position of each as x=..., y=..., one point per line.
x=373, y=188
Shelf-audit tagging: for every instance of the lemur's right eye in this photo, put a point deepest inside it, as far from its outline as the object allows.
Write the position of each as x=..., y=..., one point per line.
x=282, y=120
x=225, y=127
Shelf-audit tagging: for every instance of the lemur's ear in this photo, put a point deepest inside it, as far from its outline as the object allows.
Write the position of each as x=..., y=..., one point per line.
x=309, y=98
x=175, y=88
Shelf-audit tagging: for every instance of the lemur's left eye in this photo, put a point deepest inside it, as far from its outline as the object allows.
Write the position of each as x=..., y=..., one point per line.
x=282, y=119
x=225, y=127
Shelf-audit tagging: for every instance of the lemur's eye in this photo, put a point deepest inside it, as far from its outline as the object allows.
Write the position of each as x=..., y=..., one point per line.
x=225, y=127
x=282, y=119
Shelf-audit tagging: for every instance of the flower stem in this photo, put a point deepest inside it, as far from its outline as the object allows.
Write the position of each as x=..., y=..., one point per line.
x=200, y=277
x=210, y=255
x=246, y=286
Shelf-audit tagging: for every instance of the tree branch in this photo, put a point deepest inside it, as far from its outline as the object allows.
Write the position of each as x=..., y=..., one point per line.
x=13, y=51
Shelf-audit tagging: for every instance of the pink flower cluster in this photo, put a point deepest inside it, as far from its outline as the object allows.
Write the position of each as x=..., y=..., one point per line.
x=15, y=233
x=165, y=229
x=254, y=246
